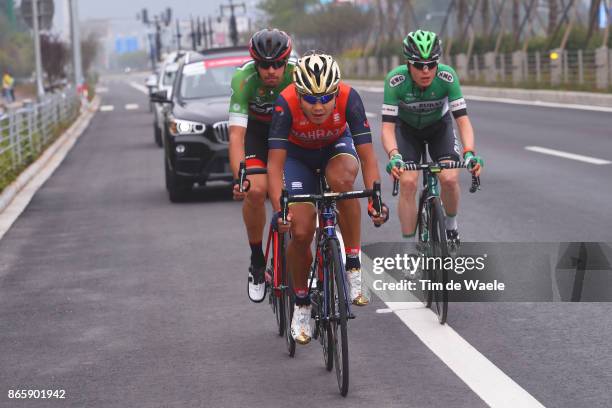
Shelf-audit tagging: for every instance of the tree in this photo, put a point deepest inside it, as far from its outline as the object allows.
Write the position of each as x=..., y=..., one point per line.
x=486, y=19
x=553, y=12
x=462, y=11
x=516, y=14
x=89, y=50
x=55, y=56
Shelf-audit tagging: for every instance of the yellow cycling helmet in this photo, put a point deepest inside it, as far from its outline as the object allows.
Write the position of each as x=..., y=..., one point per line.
x=316, y=73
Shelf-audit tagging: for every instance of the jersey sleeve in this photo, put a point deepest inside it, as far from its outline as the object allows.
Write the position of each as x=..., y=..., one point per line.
x=390, y=108
x=357, y=120
x=239, y=101
x=455, y=97
x=280, y=127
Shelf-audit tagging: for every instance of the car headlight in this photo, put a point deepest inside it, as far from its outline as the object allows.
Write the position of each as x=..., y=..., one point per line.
x=185, y=127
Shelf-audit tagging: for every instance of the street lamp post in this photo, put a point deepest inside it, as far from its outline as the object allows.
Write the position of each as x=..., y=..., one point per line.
x=40, y=90
x=233, y=29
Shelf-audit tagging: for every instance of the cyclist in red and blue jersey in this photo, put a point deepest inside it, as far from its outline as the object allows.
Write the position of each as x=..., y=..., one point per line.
x=319, y=123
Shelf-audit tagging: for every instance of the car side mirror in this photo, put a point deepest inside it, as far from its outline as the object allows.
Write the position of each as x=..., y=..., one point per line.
x=160, y=97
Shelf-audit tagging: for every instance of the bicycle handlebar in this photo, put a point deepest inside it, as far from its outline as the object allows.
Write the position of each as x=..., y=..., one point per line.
x=243, y=172
x=441, y=166
x=375, y=193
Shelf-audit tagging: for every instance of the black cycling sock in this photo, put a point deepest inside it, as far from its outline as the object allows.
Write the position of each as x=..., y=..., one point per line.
x=352, y=262
x=302, y=297
x=257, y=255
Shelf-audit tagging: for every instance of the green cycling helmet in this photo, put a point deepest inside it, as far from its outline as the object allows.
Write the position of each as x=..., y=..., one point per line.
x=422, y=46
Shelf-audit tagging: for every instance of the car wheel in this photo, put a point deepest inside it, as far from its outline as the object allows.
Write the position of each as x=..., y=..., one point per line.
x=158, y=135
x=178, y=190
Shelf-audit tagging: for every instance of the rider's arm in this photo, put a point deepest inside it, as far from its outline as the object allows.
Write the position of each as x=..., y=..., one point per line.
x=466, y=133
x=388, y=138
x=362, y=137
x=238, y=120
x=276, y=163
x=390, y=112
x=458, y=108
x=236, y=147
x=278, y=141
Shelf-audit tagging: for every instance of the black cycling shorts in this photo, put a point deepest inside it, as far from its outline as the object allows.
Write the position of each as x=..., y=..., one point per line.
x=440, y=137
x=256, y=144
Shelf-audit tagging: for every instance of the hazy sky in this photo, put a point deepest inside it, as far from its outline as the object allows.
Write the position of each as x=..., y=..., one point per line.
x=129, y=8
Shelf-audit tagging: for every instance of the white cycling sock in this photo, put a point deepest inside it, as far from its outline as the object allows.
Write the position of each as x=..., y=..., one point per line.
x=451, y=222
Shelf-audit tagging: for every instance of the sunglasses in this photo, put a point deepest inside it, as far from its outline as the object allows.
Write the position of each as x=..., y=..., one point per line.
x=312, y=100
x=274, y=64
x=421, y=65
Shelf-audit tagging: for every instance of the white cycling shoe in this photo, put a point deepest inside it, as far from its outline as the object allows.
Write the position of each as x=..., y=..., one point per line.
x=300, y=324
x=359, y=295
x=257, y=284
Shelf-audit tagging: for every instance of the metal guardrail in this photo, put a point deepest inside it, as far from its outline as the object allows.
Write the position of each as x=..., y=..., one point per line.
x=26, y=131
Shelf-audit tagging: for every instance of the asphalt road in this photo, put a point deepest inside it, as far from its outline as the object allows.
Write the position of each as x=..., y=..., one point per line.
x=122, y=299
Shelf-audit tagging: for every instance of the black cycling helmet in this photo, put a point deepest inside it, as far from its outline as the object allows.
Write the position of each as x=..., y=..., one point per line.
x=422, y=46
x=270, y=45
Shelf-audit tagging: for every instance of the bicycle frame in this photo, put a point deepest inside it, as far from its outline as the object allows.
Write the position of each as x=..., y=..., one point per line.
x=326, y=231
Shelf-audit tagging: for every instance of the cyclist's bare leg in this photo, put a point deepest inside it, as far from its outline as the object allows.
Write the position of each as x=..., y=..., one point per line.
x=341, y=172
x=406, y=206
x=299, y=254
x=254, y=209
x=450, y=191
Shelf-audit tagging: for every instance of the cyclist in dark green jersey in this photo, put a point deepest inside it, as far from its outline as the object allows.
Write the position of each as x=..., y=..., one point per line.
x=420, y=97
x=255, y=87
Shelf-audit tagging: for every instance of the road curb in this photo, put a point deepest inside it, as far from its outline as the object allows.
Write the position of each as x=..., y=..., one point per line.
x=58, y=151
x=541, y=95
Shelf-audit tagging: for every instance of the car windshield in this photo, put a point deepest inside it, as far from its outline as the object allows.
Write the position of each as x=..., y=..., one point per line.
x=200, y=81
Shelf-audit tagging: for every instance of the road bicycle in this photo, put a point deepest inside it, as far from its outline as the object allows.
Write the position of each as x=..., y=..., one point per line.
x=431, y=230
x=276, y=274
x=330, y=298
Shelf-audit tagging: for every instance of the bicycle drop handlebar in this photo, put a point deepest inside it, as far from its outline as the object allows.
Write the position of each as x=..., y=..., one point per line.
x=243, y=172
x=438, y=166
x=374, y=192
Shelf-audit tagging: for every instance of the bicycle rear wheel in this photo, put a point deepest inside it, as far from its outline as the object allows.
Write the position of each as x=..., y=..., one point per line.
x=440, y=249
x=287, y=294
x=338, y=313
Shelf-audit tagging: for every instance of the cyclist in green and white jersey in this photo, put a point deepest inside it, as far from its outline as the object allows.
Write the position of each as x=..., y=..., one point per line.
x=255, y=87
x=420, y=97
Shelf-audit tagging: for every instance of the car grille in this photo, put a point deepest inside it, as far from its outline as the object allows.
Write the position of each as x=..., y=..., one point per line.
x=221, y=131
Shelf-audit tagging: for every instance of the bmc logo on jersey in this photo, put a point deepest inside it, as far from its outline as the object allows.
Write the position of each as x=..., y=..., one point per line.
x=396, y=80
x=446, y=76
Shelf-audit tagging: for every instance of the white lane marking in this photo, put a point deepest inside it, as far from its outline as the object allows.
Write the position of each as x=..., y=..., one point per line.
x=371, y=88
x=567, y=155
x=371, y=115
x=139, y=87
x=101, y=89
x=131, y=106
x=490, y=383
x=514, y=101
x=383, y=311
x=107, y=108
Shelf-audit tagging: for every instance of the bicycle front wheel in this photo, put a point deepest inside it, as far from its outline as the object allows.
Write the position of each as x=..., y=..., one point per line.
x=338, y=315
x=277, y=300
x=423, y=239
x=287, y=291
x=440, y=249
